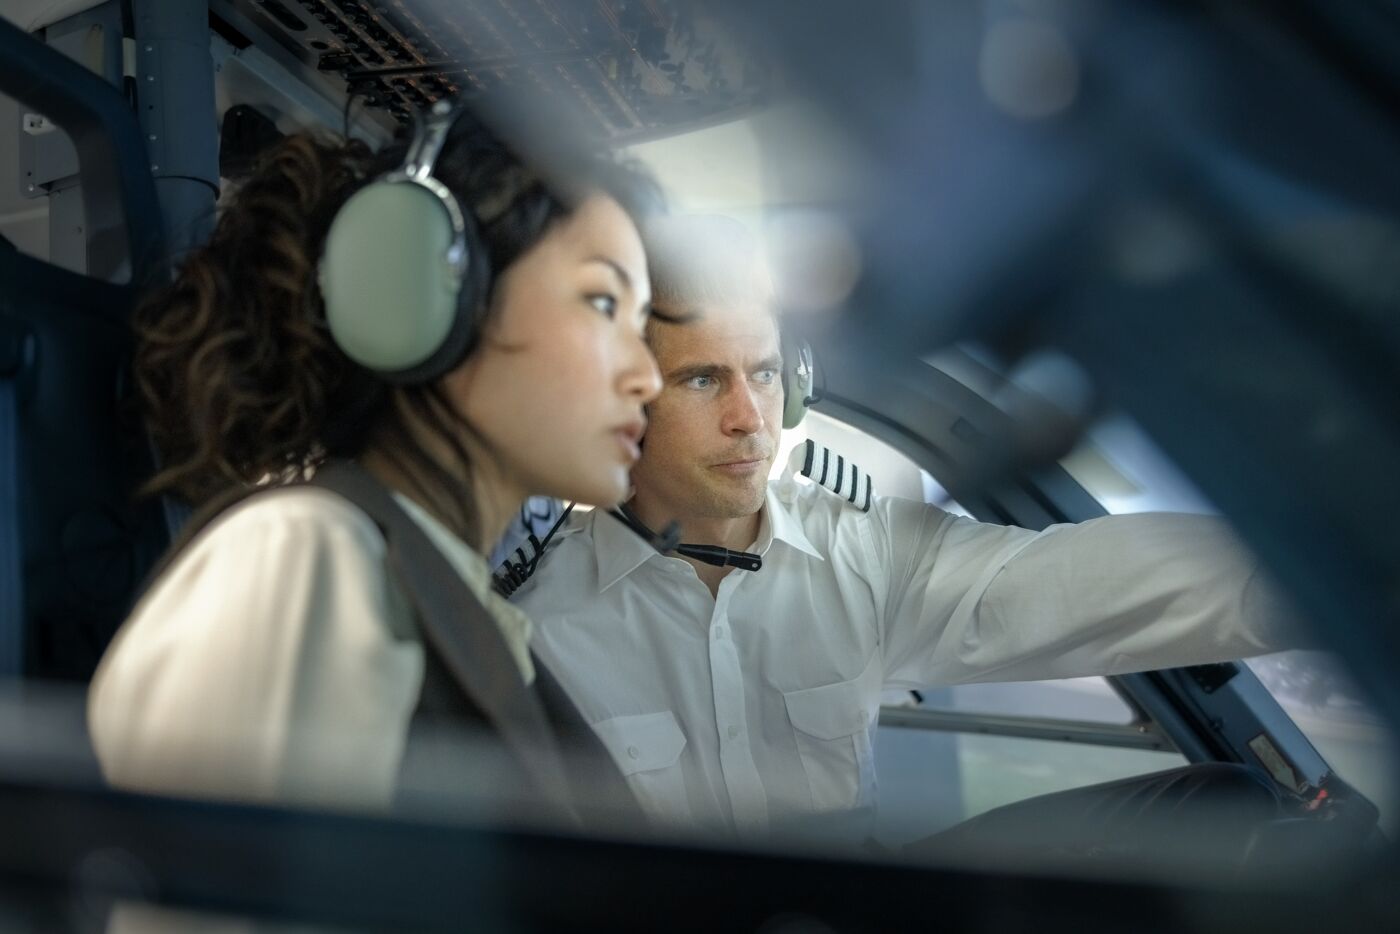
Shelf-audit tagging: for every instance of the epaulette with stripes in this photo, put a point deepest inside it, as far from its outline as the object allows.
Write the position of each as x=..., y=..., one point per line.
x=833, y=472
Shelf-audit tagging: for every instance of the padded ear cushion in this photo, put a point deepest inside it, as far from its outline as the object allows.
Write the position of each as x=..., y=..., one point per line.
x=393, y=294
x=462, y=337
x=797, y=387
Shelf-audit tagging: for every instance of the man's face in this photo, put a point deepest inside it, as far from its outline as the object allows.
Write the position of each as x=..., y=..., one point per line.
x=713, y=432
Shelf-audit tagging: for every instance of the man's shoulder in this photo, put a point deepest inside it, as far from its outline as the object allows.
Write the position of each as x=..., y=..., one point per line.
x=568, y=571
x=815, y=520
x=831, y=519
x=809, y=502
x=804, y=502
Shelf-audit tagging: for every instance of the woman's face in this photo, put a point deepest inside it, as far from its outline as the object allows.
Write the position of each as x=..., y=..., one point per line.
x=557, y=386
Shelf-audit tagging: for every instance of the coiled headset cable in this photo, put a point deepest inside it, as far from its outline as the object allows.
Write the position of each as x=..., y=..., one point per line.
x=513, y=574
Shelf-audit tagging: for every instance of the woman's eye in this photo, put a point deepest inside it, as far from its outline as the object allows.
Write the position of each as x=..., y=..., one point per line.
x=603, y=302
x=700, y=382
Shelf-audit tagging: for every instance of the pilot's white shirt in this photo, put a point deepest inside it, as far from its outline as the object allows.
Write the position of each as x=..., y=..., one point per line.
x=756, y=709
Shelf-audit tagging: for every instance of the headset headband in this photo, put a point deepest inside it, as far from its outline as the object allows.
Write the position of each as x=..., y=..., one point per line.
x=429, y=138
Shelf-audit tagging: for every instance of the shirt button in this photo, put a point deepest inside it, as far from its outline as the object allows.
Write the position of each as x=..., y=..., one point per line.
x=860, y=718
x=719, y=633
x=633, y=752
x=733, y=732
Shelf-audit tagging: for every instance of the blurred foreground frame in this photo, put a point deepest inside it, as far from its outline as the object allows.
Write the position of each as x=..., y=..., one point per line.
x=1195, y=201
x=1141, y=219
x=69, y=854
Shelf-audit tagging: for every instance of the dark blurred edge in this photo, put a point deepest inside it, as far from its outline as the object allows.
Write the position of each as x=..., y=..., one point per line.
x=83, y=538
x=67, y=843
x=1274, y=390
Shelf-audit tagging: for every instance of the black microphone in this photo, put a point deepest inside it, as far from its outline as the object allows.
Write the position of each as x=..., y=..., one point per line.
x=669, y=541
x=720, y=557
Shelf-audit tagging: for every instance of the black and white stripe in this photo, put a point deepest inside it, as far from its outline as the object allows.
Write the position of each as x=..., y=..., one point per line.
x=831, y=471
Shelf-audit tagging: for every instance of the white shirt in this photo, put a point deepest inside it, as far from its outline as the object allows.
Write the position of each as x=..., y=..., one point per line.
x=276, y=660
x=757, y=708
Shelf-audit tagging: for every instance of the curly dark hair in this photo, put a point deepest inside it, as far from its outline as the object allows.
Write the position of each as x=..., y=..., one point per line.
x=237, y=374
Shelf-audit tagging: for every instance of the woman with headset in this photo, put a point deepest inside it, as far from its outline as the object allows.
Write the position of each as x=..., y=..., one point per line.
x=429, y=335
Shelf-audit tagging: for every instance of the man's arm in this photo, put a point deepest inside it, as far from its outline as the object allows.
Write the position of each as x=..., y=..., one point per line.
x=969, y=601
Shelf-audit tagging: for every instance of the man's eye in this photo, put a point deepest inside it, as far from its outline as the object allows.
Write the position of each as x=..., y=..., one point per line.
x=603, y=302
x=765, y=377
x=700, y=382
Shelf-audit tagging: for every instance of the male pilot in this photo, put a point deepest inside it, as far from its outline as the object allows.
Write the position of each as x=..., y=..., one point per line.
x=748, y=700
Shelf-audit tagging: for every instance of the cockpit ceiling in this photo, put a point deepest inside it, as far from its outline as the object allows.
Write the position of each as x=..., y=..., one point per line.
x=630, y=69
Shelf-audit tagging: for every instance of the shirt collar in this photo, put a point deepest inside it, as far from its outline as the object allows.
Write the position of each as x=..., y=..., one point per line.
x=620, y=551
x=780, y=524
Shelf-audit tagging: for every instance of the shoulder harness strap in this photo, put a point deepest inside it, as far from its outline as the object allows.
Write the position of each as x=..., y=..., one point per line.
x=456, y=626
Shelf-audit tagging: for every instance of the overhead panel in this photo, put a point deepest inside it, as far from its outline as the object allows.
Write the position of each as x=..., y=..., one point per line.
x=629, y=70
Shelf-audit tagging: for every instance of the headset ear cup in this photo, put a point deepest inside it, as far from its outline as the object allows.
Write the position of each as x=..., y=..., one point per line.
x=796, y=380
x=398, y=301
x=793, y=409
x=390, y=302
x=469, y=307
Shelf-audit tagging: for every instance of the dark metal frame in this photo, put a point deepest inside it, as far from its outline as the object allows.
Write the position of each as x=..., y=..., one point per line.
x=83, y=540
x=380, y=873
x=97, y=118
x=1140, y=734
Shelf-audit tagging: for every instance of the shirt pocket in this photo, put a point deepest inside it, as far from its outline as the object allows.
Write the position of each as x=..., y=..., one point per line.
x=647, y=749
x=831, y=725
